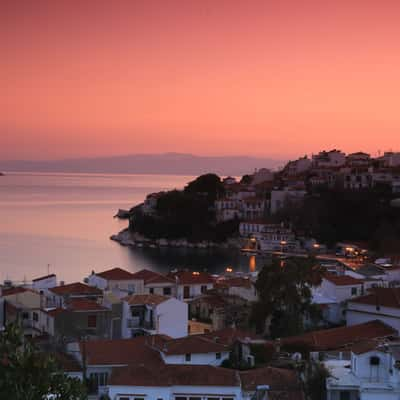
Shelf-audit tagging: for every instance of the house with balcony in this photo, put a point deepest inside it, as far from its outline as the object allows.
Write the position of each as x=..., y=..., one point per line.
x=328, y=159
x=150, y=314
x=190, y=284
x=154, y=367
x=59, y=296
x=79, y=318
x=372, y=372
x=150, y=282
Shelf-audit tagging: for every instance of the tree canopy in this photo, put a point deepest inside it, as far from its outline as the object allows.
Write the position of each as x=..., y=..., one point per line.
x=284, y=290
x=208, y=184
x=27, y=374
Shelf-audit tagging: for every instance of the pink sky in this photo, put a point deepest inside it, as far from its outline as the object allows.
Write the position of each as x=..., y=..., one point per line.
x=269, y=78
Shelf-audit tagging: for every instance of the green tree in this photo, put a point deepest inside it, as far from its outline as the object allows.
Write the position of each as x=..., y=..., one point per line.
x=315, y=381
x=27, y=374
x=208, y=184
x=284, y=290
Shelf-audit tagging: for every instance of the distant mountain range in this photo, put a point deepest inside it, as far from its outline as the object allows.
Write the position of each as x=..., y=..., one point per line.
x=168, y=163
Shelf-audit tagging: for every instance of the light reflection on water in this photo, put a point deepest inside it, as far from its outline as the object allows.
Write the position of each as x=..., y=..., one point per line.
x=65, y=220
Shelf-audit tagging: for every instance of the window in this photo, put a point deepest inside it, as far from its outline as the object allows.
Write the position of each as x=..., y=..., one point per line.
x=194, y=398
x=344, y=396
x=151, y=290
x=131, y=288
x=188, y=357
x=35, y=316
x=180, y=398
x=218, y=356
x=374, y=360
x=167, y=291
x=92, y=321
x=25, y=315
x=354, y=291
x=203, y=288
x=123, y=398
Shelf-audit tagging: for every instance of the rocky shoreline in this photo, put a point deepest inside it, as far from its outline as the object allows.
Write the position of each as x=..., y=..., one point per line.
x=133, y=239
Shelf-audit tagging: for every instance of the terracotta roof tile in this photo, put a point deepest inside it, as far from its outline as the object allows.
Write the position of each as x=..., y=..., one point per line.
x=195, y=344
x=149, y=299
x=115, y=274
x=228, y=336
x=85, y=305
x=385, y=297
x=171, y=375
x=191, y=277
x=342, y=280
x=76, y=288
x=123, y=351
x=16, y=290
x=344, y=336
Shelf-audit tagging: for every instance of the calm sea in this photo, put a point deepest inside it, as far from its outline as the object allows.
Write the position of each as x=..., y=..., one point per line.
x=62, y=223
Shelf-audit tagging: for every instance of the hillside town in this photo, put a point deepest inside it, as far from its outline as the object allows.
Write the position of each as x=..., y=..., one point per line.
x=317, y=320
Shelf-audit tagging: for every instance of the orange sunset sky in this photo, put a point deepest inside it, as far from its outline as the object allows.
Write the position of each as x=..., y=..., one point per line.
x=215, y=77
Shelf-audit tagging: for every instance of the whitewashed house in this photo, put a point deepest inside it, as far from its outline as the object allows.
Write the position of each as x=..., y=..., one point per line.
x=117, y=280
x=282, y=198
x=190, y=284
x=371, y=373
x=381, y=303
x=150, y=314
x=44, y=282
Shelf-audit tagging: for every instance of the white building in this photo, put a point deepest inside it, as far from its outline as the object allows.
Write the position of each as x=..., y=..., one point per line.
x=116, y=280
x=332, y=294
x=371, y=373
x=298, y=166
x=391, y=159
x=382, y=304
x=262, y=175
x=358, y=159
x=282, y=198
x=327, y=159
x=44, y=282
x=190, y=284
x=151, y=314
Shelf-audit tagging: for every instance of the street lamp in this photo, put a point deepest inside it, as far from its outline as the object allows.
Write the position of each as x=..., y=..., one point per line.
x=283, y=243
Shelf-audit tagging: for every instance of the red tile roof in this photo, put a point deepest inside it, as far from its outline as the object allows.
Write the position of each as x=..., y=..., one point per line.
x=342, y=280
x=191, y=277
x=76, y=288
x=151, y=277
x=278, y=379
x=195, y=344
x=16, y=290
x=85, y=305
x=115, y=274
x=342, y=337
x=172, y=375
x=234, y=282
x=228, y=336
x=365, y=346
x=123, y=352
x=148, y=299
x=55, y=311
x=385, y=297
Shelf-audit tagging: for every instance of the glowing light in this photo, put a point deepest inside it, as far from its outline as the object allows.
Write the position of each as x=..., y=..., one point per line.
x=229, y=269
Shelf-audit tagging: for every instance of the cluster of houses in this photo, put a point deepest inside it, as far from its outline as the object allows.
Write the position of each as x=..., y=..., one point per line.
x=264, y=193
x=131, y=335
x=145, y=335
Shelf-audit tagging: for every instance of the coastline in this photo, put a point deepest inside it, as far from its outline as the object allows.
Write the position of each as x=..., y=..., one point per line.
x=133, y=239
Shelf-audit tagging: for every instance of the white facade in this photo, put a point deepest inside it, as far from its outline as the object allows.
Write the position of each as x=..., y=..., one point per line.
x=44, y=283
x=358, y=313
x=190, y=291
x=174, y=392
x=168, y=318
x=340, y=293
x=333, y=158
x=280, y=198
x=262, y=175
x=119, y=288
x=371, y=375
x=214, y=359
